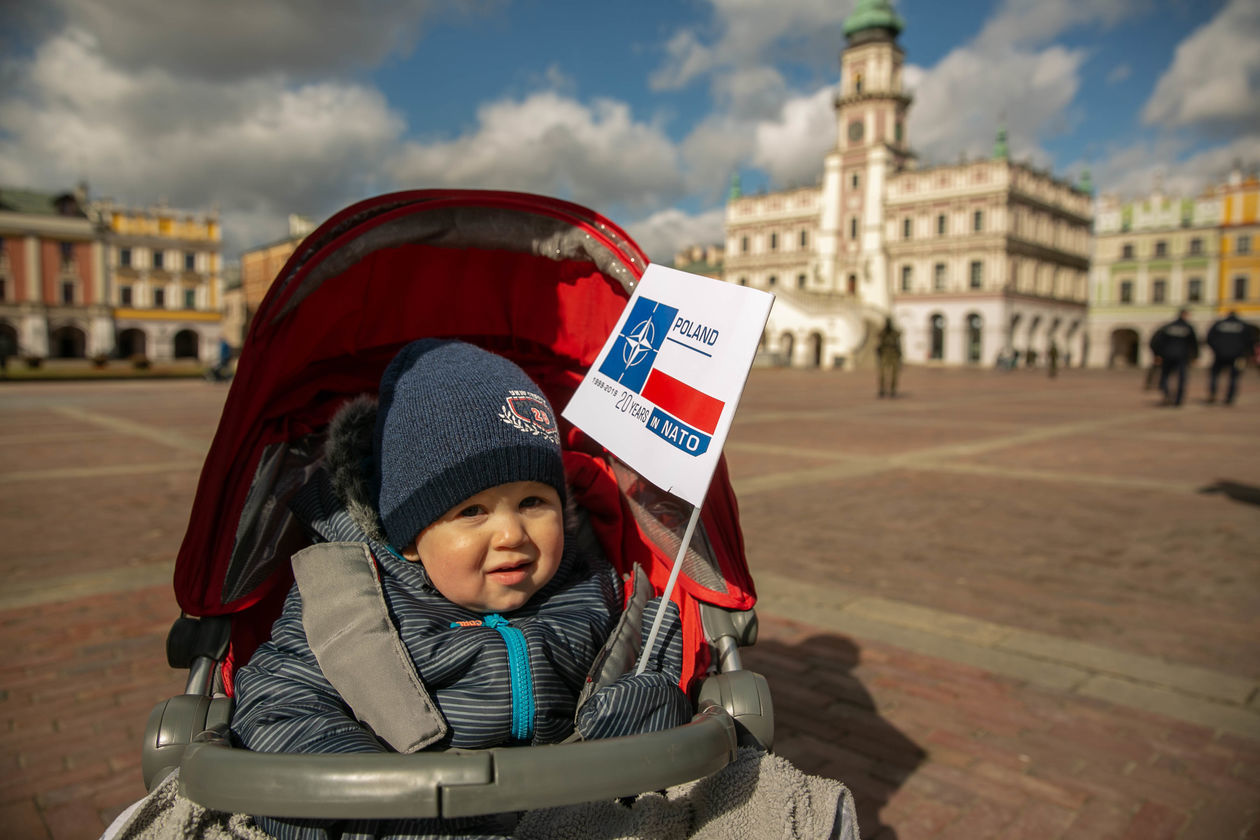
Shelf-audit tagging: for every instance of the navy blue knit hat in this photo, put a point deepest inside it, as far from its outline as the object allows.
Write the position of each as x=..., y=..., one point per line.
x=454, y=420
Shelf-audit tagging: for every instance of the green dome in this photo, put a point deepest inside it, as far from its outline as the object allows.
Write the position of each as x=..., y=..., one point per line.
x=873, y=14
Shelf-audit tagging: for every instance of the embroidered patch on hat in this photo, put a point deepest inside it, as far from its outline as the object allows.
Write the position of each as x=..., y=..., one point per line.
x=529, y=412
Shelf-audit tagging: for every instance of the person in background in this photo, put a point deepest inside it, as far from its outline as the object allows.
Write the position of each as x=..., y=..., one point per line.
x=1232, y=341
x=1053, y=355
x=1176, y=344
x=888, y=346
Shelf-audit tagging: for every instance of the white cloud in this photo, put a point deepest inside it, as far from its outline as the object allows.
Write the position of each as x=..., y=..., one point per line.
x=254, y=146
x=960, y=102
x=1024, y=23
x=1214, y=79
x=594, y=154
x=1134, y=170
x=791, y=148
x=752, y=38
x=234, y=39
x=664, y=233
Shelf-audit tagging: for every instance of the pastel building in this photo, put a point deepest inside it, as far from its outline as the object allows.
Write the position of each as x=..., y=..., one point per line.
x=53, y=281
x=1238, y=286
x=970, y=259
x=166, y=281
x=1152, y=257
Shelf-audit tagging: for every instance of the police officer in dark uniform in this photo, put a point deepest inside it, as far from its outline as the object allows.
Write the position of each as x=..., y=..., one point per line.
x=1177, y=346
x=1232, y=341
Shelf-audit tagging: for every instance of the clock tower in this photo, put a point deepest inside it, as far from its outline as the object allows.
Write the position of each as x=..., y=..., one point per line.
x=871, y=111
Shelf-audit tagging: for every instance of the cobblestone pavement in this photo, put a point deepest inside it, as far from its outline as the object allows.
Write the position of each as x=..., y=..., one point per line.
x=999, y=605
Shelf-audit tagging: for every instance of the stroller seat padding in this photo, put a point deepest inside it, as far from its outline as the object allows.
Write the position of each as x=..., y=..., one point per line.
x=349, y=629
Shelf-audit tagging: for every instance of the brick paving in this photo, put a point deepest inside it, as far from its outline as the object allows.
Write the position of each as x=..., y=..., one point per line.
x=1068, y=509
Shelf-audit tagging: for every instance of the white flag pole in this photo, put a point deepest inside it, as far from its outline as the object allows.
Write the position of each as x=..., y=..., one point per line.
x=646, y=653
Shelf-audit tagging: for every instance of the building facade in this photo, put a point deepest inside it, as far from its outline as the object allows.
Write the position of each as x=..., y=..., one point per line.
x=53, y=282
x=165, y=270
x=259, y=266
x=1238, y=286
x=971, y=260
x=90, y=279
x=1152, y=257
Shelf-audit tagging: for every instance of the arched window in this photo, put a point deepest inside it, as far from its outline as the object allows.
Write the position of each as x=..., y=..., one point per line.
x=937, y=323
x=975, y=337
x=187, y=344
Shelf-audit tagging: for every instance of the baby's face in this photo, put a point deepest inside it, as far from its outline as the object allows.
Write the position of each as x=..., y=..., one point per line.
x=493, y=551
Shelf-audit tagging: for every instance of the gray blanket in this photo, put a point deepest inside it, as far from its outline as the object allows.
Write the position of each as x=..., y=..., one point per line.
x=757, y=796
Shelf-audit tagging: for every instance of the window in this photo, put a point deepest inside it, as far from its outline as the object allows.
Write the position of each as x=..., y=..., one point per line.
x=1126, y=291
x=853, y=228
x=1161, y=248
x=907, y=277
x=854, y=180
x=743, y=245
x=124, y=295
x=940, y=225
x=124, y=257
x=938, y=277
x=4, y=288
x=1243, y=243
x=190, y=261
x=800, y=281
x=938, y=337
x=1, y=246
x=1196, y=246
x=1194, y=290
x=67, y=292
x=907, y=228
x=743, y=281
x=774, y=242
x=977, y=221
x=804, y=239
x=1126, y=252
x=1240, y=287
x=1159, y=291
x=772, y=280
x=158, y=259
x=67, y=253
x=975, y=337
x=190, y=298
x=977, y=274
x=159, y=298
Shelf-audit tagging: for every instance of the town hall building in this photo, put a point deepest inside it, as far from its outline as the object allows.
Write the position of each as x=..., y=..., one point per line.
x=971, y=260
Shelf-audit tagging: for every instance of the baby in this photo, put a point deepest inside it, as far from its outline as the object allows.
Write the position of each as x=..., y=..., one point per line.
x=449, y=599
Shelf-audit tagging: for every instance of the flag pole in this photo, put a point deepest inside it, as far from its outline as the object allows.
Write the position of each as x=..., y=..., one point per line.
x=669, y=589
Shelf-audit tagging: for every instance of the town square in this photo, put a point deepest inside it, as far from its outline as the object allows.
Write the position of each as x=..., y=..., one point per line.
x=998, y=605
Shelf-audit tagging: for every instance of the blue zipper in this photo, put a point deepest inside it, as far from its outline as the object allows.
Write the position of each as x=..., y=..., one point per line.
x=518, y=667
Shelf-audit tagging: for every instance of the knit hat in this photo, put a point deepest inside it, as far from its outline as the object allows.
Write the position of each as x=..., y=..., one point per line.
x=454, y=420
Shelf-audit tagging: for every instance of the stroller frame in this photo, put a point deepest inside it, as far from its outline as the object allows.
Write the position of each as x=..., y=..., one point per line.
x=190, y=732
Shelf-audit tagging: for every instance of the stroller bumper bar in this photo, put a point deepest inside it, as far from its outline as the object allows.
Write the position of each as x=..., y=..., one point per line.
x=453, y=784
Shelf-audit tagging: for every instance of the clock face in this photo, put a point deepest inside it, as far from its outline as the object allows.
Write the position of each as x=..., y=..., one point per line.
x=855, y=130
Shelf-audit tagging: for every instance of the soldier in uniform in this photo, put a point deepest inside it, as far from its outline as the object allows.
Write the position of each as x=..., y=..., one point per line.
x=888, y=347
x=1177, y=346
x=1232, y=340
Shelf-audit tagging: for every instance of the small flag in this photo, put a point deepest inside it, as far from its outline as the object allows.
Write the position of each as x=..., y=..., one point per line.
x=663, y=391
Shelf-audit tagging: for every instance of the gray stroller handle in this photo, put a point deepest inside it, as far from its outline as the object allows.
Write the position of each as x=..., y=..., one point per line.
x=455, y=783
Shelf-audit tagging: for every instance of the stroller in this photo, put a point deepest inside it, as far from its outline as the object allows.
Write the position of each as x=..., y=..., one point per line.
x=542, y=282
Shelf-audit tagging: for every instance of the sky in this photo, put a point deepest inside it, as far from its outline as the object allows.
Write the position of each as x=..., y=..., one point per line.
x=639, y=110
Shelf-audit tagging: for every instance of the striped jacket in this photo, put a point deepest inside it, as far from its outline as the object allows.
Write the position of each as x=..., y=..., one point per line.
x=286, y=703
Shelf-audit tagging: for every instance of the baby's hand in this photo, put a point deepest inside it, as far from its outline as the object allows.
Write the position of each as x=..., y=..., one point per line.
x=647, y=702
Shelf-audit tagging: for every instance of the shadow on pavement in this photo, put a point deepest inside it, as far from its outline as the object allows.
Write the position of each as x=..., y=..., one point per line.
x=826, y=723
x=1234, y=490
